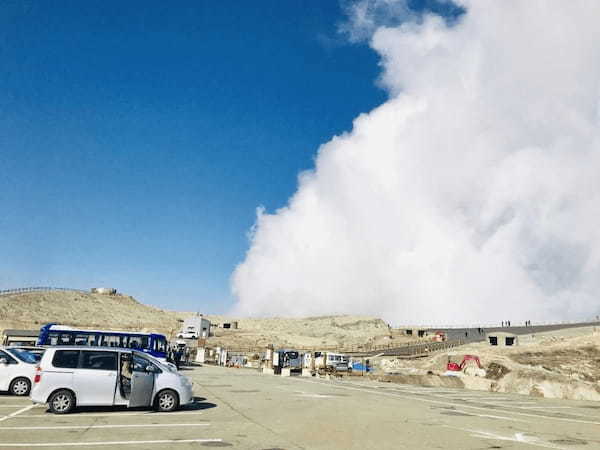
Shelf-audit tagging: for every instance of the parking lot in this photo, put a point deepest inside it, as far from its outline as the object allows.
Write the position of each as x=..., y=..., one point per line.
x=243, y=409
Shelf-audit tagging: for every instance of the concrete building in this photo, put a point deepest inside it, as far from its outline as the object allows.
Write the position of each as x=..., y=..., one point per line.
x=502, y=339
x=195, y=327
x=103, y=290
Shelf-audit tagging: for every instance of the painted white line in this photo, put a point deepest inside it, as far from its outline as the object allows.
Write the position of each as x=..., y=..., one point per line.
x=545, y=407
x=80, y=415
x=446, y=403
x=15, y=406
x=517, y=437
x=87, y=427
x=514, y=403
x=16, y=413
x=488, y=416
x=87, y=444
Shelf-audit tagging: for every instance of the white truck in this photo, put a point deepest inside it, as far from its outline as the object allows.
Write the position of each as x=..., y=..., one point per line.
x=331, y=362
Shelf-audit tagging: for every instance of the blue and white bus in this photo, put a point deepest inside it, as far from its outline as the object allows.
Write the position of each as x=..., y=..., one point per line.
x=53, y=334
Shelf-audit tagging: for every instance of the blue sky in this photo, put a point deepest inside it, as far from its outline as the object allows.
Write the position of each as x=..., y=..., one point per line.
x=138, y=138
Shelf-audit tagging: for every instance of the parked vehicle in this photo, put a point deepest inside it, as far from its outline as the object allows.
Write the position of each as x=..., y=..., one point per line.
x=331, y=362
x=14, y=337
x=37, y=352
x=287, y=358
x=17, y=370
x=98, y=376
x=154, y=344
x=190, y=332
x=195, y=327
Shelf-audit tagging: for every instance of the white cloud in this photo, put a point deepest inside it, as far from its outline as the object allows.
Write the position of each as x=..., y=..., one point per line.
x=472, y=194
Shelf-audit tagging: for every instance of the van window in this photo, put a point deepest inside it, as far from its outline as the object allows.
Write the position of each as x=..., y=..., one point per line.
x=140, y=364
x=66, y=359
x=99, y=360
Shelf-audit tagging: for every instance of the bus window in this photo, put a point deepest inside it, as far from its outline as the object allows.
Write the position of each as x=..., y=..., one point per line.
x=81, y=339
x=53, y=339
x=159, y=344
x=110, y=341
x=144, y=341
x=86, y=339
x=65, y=339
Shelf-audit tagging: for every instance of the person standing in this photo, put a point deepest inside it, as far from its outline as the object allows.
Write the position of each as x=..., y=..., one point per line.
x=177, y=355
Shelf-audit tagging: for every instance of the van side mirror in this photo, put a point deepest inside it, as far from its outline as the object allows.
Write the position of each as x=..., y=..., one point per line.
x=3, y=361
x=150, y=369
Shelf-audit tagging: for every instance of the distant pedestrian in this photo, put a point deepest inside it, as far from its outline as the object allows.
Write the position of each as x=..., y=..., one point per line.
x=177, y=355
x=466, y=334
x=502, y=324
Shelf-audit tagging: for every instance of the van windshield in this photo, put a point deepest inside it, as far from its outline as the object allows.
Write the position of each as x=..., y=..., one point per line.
x=23, y=355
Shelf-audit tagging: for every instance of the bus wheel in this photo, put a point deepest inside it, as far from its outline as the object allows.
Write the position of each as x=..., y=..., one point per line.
x=62, y=402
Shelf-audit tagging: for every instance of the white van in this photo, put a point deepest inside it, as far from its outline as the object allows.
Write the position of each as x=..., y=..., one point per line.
x=17, y=370
x=98, y=376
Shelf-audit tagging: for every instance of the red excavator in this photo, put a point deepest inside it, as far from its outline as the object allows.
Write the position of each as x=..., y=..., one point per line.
x=455, y=367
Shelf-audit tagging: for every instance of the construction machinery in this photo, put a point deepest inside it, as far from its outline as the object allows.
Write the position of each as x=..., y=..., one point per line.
x=453, y=366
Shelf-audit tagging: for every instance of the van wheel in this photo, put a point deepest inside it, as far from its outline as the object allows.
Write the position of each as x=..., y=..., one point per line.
x=167, y=401
x=20, y=386
x=62, y=402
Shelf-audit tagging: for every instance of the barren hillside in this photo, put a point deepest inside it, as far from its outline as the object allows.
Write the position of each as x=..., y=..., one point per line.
x=558, y=364
x=121, y=312
x=33, y=309
x=301, y=332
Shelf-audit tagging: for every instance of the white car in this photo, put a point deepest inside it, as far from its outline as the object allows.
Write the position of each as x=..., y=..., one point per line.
x=98, y=376
x=188, y=333
x=17, y=370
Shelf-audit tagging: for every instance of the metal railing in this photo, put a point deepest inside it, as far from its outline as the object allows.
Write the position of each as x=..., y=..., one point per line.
x=37, y=289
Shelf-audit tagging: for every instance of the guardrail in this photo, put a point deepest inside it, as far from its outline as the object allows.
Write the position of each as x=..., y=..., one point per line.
x=407, y=348
x=37, y=289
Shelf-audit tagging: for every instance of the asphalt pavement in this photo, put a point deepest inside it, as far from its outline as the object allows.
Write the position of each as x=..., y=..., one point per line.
x=240, y=408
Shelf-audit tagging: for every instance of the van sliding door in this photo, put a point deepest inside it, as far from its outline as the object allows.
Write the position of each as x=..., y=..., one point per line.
x=142, y=383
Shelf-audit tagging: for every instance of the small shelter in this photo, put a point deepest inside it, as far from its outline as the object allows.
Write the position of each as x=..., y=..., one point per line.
x=502, y=339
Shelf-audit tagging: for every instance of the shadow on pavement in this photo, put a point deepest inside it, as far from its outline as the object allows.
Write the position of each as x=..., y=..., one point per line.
x=197, y=405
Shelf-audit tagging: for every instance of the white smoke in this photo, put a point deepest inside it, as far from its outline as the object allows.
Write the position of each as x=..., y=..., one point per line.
x=471, y=195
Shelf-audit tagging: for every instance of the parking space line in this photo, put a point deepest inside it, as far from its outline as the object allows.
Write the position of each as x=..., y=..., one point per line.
x=98, y=443
x=16, y=406
x=491, y=416
x=87, y=427
x=16, y=413
x=448, y=402
x=545, y=407
x=76, y=415
x=512, y=403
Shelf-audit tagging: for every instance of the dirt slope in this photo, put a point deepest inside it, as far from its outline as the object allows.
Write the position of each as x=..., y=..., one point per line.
x=122, y=312
x=86, y=310
x=344, y=331
x=560, y=364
